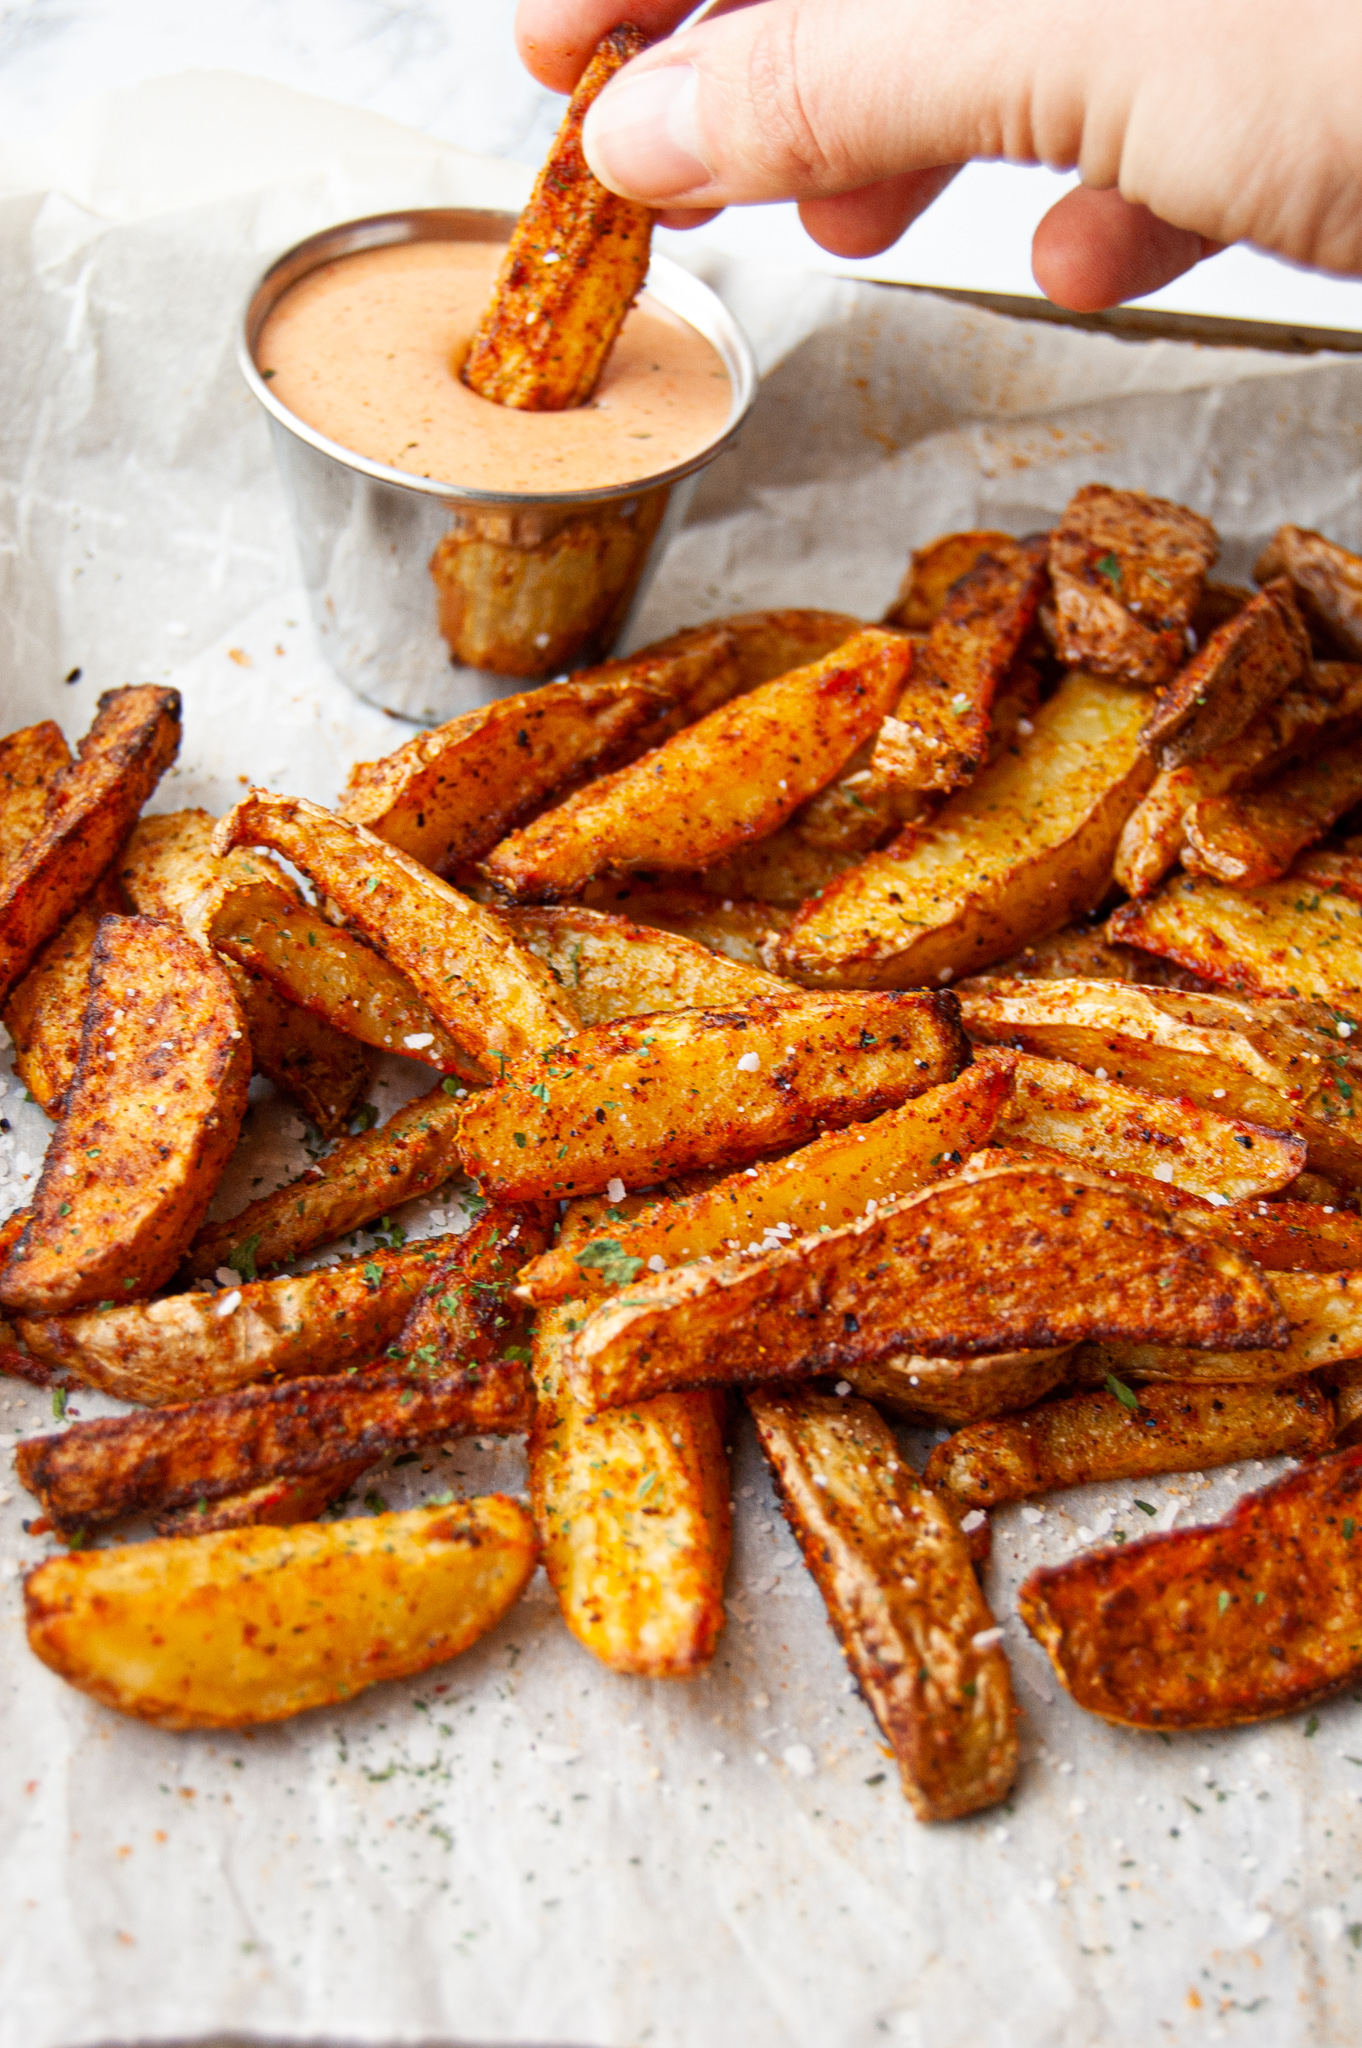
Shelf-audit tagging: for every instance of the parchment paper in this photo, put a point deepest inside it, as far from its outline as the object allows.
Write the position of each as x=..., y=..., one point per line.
x=521, y=1847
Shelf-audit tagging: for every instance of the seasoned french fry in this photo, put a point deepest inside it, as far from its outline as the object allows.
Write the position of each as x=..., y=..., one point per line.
x=958, y=1390
x=152, y=1116
x=1255, y=837
x=832, y=1180
x=730, y=779
x=575, y=261
x=134, y=738
x=1282, y=939
x=32, y=762
x=1324, y=1311
x=612, y=968
x=1121, y=1435
x=325, y=1072
x=227, y=1630
x=1326, y=578
x=1246, y=665
x=933, y=571
x=901, y=1594
x=44, y=1014
x=1026, y=847
x=1239, y=1621
x=649, y=1097
x=1128, y=571
x=276, y=1505
x=1121, y=1130
x=1289, y=1066
x=488, y=994
x=366, y=1175
x=735, y=928
x=999, y=1260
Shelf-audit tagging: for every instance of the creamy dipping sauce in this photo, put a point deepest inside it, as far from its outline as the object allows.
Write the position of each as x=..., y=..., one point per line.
x=367, y=350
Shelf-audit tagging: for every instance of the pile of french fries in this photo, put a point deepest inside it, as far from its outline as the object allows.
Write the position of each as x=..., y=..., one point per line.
x=949, y=1021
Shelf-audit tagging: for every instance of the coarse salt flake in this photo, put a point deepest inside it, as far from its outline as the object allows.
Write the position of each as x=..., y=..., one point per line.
x=657, y=1264
x=842, y=1388
x=1163, y=1171
x=798, y=1760
x=749, y=1062
x=228, y=1303
x=985, y=1638
x=975, y=1519
x=614, y=1190
x=226, y=1276
x=415, y=1041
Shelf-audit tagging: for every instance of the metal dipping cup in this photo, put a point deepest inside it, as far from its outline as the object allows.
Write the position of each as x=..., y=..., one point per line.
x=431, y=600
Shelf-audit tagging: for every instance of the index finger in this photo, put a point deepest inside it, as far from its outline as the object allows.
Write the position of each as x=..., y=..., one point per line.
x=556, y=37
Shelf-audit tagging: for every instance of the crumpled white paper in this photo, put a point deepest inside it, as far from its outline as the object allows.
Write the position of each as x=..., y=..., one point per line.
x=522, y=1847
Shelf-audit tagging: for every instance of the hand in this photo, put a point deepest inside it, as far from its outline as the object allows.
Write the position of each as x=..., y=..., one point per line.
x=1194, y=123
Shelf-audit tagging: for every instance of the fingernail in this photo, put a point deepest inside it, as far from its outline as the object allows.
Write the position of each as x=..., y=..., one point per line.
x=642, y=136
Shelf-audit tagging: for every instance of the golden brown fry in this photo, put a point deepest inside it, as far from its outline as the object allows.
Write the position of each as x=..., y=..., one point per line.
x=256, y=1624
x=1120, y=1435
x=1326, y=578
x=32, y=762
x=362, y=1178
x=1128, y=571
x=1004, y=1259
x=649, y=1097
x=1026, y=847
x=151, y=1118
x=1247, y=1618
x=575, y=261
x=1245, y=666
x=44, y=1014
x=134, y=738
x=612, y=968
x=277, y=1505
x=1324, y=1311
x=1255, y=837
x=901, y=1594
x=1282, y=939
x=487, y=993
x=325, y=1072
x=735, y=928
x=958, y=1390
x=932, y=573
x=830, y=1181
x=1120, y=1130
x=730, y=779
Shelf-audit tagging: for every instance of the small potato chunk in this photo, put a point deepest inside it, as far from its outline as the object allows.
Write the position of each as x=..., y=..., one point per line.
x=957, y=1390
x=1128, y=571
x=32, y=762
x=484, y=990
x=718, y=785
x=1323, y=1311
x=134, y=739
x=1255, y=837
x=649, y=1097
x=933, y=572
x=153, y=1115
x=45, y=1013
x=1025, y=848
x=1326, y=578
x=576, y=260
x=901, y=1594
x=1020, y=1258
x=612, y=968
x=1242, y=1620
x=1245, y=666
x=1119, y=1435
x=254, y=1625
x=1281, y=939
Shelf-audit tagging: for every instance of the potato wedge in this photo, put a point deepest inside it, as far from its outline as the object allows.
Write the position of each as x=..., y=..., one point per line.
x=1290, y=1237
x=832, y=1180
x=1081, y=952
x=1284, y=938
x=771, y=643
x=254, y=1625
x=1115, y=1129
x=575, y=262
x=1246, y=665
x=736, y=928
x=649, y=1097
x=1120, y=1435
x=781, y=870
x=1287, y=1066
x=1238, y=1621
x=612, y=968
x=44, y=1014
x=325, y=1072
x=32, y=762
x=364, y=1177
x=1026, y=847
x=487, y=994
x=932, y=573
x=1255, y=837
x=902, y=1597
x=1326, y=578
x=1323, y=1310
x=151, y=1118
x=134, y=739
x=1004, y=1259
x=1128, y=571
x=730, y=779
x=277, y=1505
x=958, y=1390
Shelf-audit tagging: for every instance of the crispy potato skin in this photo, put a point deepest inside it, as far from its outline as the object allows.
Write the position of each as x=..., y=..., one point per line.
x=1239, y=1621
x=1128, y=571
x=828, y=1181
x=1326, y=578
x=276, y=1505
x=364, y=1177
x=489, y=995
x=958, y=1390
x=1025, y=848
x=901, y=1594
x=44, y=1014
x=153, y=1114
x=731, y=778
x=254, y=1625
x=612, y=968
x=325, y=1072
x=1255, y=837
x=32, y=762
x=648, y=1097
x=1246, y=665
x=933, y=571
x=134, y=739
x=546, y=336
x=1324, y=1311
x=1019, y=1258
x=1281, y=939
x=1096, y=1436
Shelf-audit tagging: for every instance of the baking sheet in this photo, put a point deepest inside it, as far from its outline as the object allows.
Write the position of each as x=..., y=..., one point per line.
x=521, y=1847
